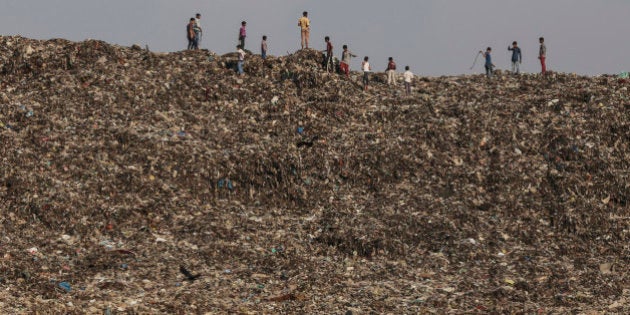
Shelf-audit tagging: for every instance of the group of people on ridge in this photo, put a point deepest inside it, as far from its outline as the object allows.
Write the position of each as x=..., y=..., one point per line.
x=517, y=58
x=194, y=32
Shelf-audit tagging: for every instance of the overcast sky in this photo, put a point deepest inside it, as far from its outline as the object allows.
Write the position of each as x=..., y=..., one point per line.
x=434, y=37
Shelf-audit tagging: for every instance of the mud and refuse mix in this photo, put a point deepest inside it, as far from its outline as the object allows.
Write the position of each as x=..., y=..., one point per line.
x=134, y=182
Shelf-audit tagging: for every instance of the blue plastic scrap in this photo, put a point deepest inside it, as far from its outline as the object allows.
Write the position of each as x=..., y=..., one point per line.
x=65, y=286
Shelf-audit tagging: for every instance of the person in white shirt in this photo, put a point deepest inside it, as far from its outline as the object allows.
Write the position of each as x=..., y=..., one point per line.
x=408, y=76
x=365, y=66
x=241, y=59
x=197, y=28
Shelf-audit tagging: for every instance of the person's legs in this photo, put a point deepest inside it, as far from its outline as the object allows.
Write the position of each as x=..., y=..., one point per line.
x=345, y=68
x=240, y=67
x=308, y=36
x=408, y=88
x=543, y=65
x=518, y=67
x=302, y=38
x=488, y=71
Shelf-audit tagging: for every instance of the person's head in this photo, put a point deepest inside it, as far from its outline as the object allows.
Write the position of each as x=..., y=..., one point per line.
x=407, y=68
x=198, y=15
x=391, y=59
x=264, y=37
x=192, y=20
x=542, y=39
x=326, y=39
x=514, y=43
x=488, y=49
x=239, y=46
x=304, y=13
x=366, y=58
x=243, y=23
x=345, y=47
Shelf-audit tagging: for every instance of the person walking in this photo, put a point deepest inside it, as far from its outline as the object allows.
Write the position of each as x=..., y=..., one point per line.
x=488, y=64
x=328, y=64
x=344, y=65
x=241, y=59
x=263, y=47
x=198, y=29
x=542, y=55
x=242, y=33
x=517, y=58
x=391, y=71
x=190, y=34
x=408, y=77
x=305, y=26
x=365, y=66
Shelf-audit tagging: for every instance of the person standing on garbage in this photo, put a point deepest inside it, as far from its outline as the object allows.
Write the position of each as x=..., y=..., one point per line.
x=190, y=34
x=408, y=77
x=241, y=59
x=517, y=58
x=344, y=65
x=542, y=55
x=391, y=71
x=242, y=33
x=305, y=27
x=488, y=64
x=328, y=64
x=365, y=66
x=263, y=47
x=198, y=29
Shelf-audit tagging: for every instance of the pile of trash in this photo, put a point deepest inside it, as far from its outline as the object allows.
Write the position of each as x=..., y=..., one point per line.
x=142, y=182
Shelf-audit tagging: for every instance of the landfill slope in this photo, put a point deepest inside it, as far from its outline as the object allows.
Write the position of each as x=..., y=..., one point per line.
x=134, y=182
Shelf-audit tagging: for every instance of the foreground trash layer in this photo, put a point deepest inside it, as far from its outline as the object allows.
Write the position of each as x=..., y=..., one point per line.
x=136, y=182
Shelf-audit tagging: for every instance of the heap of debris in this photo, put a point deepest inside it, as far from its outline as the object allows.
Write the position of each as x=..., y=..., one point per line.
x=138, y=182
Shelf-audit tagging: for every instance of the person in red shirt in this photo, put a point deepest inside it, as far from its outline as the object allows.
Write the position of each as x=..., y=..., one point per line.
x=391, y=71
x=242, y=33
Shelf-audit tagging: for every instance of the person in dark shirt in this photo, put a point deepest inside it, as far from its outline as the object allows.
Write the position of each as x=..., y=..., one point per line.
x=489, y=64
x=190, y=34
x=328, y=64
x=517, y=58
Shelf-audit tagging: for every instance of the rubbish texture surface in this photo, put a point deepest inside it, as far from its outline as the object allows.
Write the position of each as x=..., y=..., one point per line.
x=136, y=182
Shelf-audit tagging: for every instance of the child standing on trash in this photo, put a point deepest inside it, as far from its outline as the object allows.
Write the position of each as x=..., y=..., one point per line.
x=241, y=59
x=328, y=64
x=190, y=34
x=516, y=57
x=198, y=29
x=344, y=65
x=242, y=33
x=391, y=71
x=365, y=66
x=305, y=29
x=489, y=64
x=542, y=55
x=263, y=47
x=408, y=76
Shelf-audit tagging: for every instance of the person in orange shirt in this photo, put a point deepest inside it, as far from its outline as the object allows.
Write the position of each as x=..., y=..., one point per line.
x=305, y=25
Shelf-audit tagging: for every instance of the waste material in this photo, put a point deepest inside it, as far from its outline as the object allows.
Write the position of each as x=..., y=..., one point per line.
x=384, y=204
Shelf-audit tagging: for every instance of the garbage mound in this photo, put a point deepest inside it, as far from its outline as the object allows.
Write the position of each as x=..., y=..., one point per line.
x=141, y=182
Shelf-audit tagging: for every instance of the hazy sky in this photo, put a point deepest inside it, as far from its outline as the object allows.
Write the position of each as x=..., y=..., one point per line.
x=434, y=37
